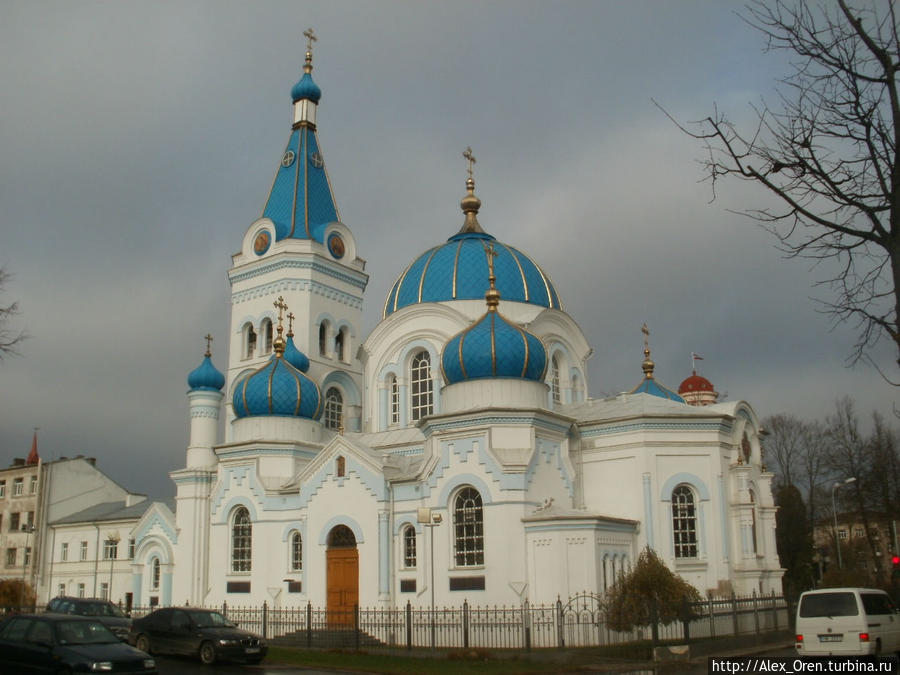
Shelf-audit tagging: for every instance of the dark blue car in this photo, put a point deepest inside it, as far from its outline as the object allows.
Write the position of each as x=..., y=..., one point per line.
x=66, y=644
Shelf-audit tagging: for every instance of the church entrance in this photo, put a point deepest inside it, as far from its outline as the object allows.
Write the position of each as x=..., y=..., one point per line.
x=342, y=577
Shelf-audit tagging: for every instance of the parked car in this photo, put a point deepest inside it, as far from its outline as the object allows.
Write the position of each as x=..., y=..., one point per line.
x=104, y=611
x=839, y=621
x=198, y=632
x=56, y=643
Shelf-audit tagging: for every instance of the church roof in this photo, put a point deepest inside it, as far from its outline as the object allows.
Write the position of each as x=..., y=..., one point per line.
x=694, y=383
x=650, y=386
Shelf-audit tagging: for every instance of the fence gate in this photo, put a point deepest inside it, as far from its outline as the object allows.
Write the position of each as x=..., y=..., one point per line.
x=581, y=620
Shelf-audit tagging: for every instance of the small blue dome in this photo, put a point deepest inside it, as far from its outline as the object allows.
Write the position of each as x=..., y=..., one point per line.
x=277, y=388
x=493, y=347
x=294, y=356
x=306, y=88
x=458, y=270
x=206, y=377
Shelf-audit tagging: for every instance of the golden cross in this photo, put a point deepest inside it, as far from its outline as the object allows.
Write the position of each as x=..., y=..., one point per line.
x=471, y=158
x=290, y=317
x=646, y=332
x=310, y=38
x=209, y=339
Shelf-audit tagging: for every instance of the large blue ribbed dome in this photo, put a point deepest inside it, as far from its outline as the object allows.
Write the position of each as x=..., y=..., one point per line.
x=206, y=377
x=493, y=347
x=277, y=388
x=458, y=270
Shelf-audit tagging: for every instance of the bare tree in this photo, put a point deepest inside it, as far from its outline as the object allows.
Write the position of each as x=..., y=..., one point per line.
x=828, y=153
x=9, y=338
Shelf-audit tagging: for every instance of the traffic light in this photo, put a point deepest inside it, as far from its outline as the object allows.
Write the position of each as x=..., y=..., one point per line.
x=895, y=564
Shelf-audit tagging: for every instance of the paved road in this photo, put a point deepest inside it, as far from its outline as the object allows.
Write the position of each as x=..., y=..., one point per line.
x=174, y=665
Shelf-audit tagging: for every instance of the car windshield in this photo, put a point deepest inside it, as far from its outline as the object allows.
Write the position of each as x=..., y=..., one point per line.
x=83, y=633
x=210, y=620
x=99, y=609
x=828, y=604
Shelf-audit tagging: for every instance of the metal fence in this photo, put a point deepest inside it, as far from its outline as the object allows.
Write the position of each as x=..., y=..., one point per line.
x=578, y=622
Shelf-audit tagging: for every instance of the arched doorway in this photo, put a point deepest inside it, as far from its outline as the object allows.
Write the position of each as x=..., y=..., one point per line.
x=342, y=576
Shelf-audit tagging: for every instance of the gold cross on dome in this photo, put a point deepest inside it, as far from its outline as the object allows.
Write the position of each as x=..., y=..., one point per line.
x=209, y=339
x=280, y=306
x=290, y=318
x=310, y=38
x=471, y=159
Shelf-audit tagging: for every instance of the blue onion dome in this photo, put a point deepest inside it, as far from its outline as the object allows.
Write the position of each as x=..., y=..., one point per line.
x=306, y=88
x=458, y=269
x=206, y=376
x=649, y=385
x=294, y=356
x=278, y=388
x=493, y=346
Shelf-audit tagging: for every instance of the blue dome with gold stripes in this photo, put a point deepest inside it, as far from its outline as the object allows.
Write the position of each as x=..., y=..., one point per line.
x=458, y=270
x=206, y=376
x=493, y=347
x=278, y=388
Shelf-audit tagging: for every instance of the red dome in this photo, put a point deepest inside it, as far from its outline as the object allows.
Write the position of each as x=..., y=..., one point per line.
x=695, y=383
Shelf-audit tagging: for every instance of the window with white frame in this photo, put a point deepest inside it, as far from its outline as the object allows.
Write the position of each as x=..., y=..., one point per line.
x=64, y=551
x=14, y=522
x=296, y=552
x=104, y=590
x=131, y=549
x=340, y=342
x=61, y=590
x=266, y=330
x=11, y=557
x=468, y=528
x=409, y=546
x=334, y=409
x=80, y=590
x=554, y=380
x=32, y=485
x=18, y=486
x=27, y=560
x=421, y=388
x=249, y=341
x=684, y=522
x=84, y=546
x=110, y=549
x=241, y=540
x=394, y=396
x=842, y=534
x=2, y=488
x=154, y=574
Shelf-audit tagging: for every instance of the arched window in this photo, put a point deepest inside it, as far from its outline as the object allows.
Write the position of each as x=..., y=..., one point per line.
x=266, y=330
x=241, y=540
x=422, y=402
x=323, y=338
x=249, y=341
x=296, y=552
x=468, y=528
x=554, y=380
x=753, y=523
x=409, y=546
x=339, y=344
x=684, y=522
x=334, y=408
x=394, y=393
x=154, y=574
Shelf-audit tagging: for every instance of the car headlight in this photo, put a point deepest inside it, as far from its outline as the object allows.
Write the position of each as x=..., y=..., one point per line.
x=225, y=642
x=101, y=666
x=149, y=664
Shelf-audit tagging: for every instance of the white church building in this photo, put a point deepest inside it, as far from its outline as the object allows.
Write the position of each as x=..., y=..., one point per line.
x=456, y=442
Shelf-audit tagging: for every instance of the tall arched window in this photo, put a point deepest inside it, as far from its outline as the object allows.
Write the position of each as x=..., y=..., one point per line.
x=266, y=330
x=339, y=344
x=241, y=540
x=554, y=380
x=422, y=400
x=468, y=528
x=323, y=338
x=296, y=552
x=684, y=522
x=154, y=574
x=409, y=546
x=249, y=341
x=394, y=394
x=334, y=408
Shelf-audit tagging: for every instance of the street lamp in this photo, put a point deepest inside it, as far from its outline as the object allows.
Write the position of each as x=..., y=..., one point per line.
x=425, y=517
x=27, y=529
x=113, y=551
x=837, y=541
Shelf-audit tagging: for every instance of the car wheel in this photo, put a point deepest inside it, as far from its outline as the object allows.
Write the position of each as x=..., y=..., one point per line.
x=207, y=653
x=142, y=643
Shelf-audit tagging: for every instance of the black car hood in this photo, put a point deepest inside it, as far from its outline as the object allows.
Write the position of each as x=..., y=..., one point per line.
x=106, y=651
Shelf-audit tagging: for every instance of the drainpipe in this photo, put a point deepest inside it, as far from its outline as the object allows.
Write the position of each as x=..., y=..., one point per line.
x=96, y=560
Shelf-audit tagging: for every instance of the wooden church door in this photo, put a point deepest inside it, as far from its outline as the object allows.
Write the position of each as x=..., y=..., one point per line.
x=342, y=576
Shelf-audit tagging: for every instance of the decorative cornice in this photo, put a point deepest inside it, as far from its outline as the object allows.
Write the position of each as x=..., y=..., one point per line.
x=722, y=426
x=433, y=425
x=305, y=285
x=357, y=279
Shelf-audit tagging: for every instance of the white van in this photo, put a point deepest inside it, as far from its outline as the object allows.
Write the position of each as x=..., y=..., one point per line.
x=843, y=621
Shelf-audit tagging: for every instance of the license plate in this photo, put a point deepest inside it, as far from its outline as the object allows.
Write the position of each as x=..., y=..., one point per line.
x=251, y=650
x=831, y=638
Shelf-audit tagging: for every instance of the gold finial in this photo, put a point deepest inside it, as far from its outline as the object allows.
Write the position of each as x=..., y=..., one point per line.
x=278, y=343
x=310, y=38
x=470, y=203
x=647, y=365
x=209, y=339
x=290, y=318
x=492, y=295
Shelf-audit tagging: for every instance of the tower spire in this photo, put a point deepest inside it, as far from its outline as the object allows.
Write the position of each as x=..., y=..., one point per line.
x=33, y=455
x=470, y=203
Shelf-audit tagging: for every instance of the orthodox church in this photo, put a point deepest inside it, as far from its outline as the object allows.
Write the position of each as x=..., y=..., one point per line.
x=452, y=453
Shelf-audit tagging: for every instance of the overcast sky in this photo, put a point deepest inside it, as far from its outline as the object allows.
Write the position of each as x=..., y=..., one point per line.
x=138, y=142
